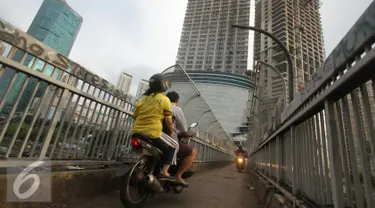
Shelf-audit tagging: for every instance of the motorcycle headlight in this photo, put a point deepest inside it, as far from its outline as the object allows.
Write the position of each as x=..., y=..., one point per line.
x=240, y=160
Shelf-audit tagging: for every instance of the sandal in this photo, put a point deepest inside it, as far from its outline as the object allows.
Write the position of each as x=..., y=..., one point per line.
x=183, y=183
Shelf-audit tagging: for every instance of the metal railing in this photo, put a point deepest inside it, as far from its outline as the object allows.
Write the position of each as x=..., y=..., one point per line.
x=208, y=152
x=52, y=108
x=323, y=153
x=265, y=107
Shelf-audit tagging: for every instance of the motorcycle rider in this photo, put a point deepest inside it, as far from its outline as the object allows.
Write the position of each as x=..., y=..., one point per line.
x=241, y=151
x=149, y=112
x=185, y=152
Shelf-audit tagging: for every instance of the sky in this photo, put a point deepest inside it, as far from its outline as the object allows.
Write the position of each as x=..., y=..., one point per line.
x=141, y=37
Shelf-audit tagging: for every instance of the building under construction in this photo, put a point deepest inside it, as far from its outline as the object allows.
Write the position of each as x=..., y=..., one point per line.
x=297, y=24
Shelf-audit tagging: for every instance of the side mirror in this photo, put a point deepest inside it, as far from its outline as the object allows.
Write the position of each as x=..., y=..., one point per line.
x=193, y=125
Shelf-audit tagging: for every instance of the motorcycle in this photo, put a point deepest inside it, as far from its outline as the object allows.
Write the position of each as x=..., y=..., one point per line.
x=142, y=175
x=240, y=163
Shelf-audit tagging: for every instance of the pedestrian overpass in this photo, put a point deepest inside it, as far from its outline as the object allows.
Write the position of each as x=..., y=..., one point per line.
x=318, y=150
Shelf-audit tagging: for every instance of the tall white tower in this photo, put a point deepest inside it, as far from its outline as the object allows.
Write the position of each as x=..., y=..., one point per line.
x=125, y=82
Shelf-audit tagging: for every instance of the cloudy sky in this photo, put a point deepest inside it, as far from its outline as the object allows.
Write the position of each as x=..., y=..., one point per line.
x=141, y=37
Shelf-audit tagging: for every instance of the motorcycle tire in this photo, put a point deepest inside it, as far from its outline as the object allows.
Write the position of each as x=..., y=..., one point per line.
x=177, y=189
x=240, y=168
x=124, y=191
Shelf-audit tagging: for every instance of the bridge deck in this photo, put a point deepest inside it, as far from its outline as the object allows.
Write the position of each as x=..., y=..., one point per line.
x=217, y=188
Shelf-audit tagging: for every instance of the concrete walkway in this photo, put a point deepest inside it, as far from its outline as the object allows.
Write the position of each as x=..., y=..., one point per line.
x=218, y=188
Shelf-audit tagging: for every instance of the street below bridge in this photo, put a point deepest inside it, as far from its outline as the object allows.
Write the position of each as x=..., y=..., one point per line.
x=217, y=188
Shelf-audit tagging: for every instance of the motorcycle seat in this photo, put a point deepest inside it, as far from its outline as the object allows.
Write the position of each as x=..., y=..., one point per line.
x=147, y=140
x=142, y=136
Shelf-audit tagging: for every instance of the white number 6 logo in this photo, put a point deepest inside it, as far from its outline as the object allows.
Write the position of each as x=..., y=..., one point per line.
x=23, y=177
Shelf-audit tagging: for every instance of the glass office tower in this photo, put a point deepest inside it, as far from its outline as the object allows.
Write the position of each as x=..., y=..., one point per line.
x=57, y=25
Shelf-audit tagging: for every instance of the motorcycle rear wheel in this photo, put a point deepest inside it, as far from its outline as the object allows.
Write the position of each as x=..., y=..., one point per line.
x=130, y=177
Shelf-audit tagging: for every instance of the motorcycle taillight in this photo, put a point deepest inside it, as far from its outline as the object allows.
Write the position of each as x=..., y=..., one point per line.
x=135, y=142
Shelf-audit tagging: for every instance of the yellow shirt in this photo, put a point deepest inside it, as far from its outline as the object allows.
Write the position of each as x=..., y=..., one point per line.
x=149, y=113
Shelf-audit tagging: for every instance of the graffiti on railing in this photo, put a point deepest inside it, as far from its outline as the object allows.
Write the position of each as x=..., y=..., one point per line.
x=18, y=38
x=358, y=35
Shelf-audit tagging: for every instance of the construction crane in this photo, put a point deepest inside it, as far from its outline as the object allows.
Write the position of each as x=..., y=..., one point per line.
x=299, y=5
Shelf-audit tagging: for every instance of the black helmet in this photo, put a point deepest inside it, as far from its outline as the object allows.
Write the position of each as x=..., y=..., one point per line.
x=158, y=83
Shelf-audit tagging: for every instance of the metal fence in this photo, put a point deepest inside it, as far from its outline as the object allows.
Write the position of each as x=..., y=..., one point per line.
x=53, y=108
x=323, y=153
x=210, y=152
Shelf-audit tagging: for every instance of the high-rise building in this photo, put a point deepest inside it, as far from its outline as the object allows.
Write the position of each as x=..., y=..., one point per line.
x=208, y=42
x=57, y=25
x=297, y=24
x=142, y=87
x=125, y=82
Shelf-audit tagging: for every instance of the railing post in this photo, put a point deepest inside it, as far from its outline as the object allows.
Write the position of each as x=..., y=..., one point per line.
x=269, y=160
x=51, y=129
x=293, y=161
x=334, y=155
x=204, y=153
x=343, y=153
x=113, y=140
x=278, y=158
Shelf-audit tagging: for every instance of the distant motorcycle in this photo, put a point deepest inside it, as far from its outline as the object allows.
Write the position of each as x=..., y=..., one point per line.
x=240, y=163
x=142, y=175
